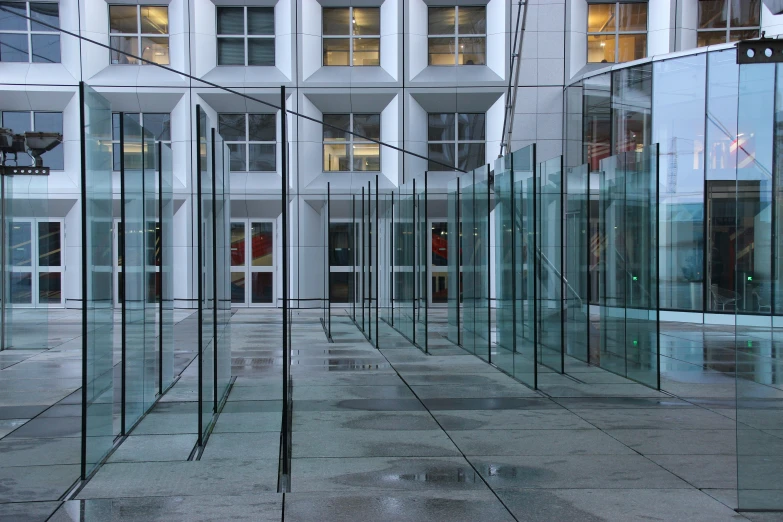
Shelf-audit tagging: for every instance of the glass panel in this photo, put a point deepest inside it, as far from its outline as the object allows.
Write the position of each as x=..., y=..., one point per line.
x=601, y=18
x=631, y=47
x=262, y=244
x=49, y=244
x=261, y=51
x=367, y=125
x=232, y=127
x=238, y=153
x=366, y=51
x=262, y=291
x=262, y=158
x=576, y=266
x=21, y=291
x=154, y=19
x=45, y=12
x=600, y=49
x=442, y=153
x=524, y=165
x=757, y=338
x=746, y=13
x=441, y=51
x=631, y=113
x=705, y=38
x=50, y=288
x=237, y=244
x=159, y=124
x=366, y=156
x=220, y=259
x=230, y=20
x=123, y=19
x=336, y=158
x=51, y=122
x=471, y=126
x=454, y=258
x=633, y=17
x=341, y=121
x=341, y=287
x=440, y=127
x=336, y=21
x=238, y=287
x=366, y=21
x=336, y=51
x=340, y=244
x=231, y=51
x=505, y=266
x=422, y=254
x=712, y=14
x=126, y=44
x=261, y=127
x=13, y=47
x=735, y=36
x=12, y=21
x=549, y=264
x=98, y=381
x=155, y=50
x=166, y=184
x=206, y=294
x=20, y=243
x=471, y=155
x=261, y=20
x=46, y=48
x=441, y=20
x=597, y=121
x=472, y=51
x=679, y=97
x=472, y=20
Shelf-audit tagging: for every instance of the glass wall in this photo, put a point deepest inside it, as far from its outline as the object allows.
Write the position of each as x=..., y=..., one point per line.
x=575, y=270
x=454, y=284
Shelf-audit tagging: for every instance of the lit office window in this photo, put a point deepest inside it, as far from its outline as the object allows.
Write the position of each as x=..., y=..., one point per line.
x=616, y=32
x=457, y=35
x=246, y=36
x=251, y=138
x=352, y=36
x=26, y=121
x=344, y=152
x=25, y=40
x=722, y=21
x=158, y=123
x=141, y=30
x=456, y=139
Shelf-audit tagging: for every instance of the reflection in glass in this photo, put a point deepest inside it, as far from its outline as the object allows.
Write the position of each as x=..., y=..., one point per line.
x=341, y=244
x=472, y=51
x=20, y=243
x=237, y=244
x=441, y=51
x=50, y=288
x=262, y=291
x=13, y=21
x=366, y=21
x=49, y=253
x=261, y=245
x=238, y=287
x=633, y=17
x=472, y=20
x=441, y=20
x=336, y=21
x=341, y=287
x=122, y=19
x=21, y=289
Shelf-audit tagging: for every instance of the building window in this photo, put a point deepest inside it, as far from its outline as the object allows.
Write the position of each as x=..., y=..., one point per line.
x=616, y=32
x=352, y=36
x=24, y=40
x=158, y=123
x=246, y=36
x=35, y=263
x=344, y=152
x=251, y=139
x=141, y=30
x=20, y=122
x=456, y=139
x=457, y=35
x=722, y=21
x=252, y=262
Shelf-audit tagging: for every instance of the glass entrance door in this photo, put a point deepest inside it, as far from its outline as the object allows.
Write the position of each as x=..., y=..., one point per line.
x=35, y=263
x=252, y=263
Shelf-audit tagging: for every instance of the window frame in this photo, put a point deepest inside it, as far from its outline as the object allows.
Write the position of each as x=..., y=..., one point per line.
x=729, y=28
x=349, y=142
x=139, y=35
x=351, y=37
x=456, y=141
x=245, y=36
x=115, y=140
x=617, y=33
x=29, y=32
x=456, y=36
x=248, y=142
x=35, y=269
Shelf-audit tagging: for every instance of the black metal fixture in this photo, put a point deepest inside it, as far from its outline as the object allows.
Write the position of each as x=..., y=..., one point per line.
x=35, y=144
x=760, y=50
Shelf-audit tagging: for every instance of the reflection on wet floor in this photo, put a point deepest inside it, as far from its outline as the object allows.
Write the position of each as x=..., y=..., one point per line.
x=396, y=434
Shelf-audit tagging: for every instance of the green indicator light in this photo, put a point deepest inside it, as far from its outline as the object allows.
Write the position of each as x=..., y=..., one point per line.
x=750, y=344
x=635, y=278
x=635, y=342
x=750, y=278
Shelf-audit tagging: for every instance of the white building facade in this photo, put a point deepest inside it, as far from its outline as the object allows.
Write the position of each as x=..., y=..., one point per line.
x=427, y=76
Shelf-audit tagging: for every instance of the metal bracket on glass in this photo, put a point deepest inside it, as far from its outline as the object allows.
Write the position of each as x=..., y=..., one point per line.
x=24, y=171
x=762, y=50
